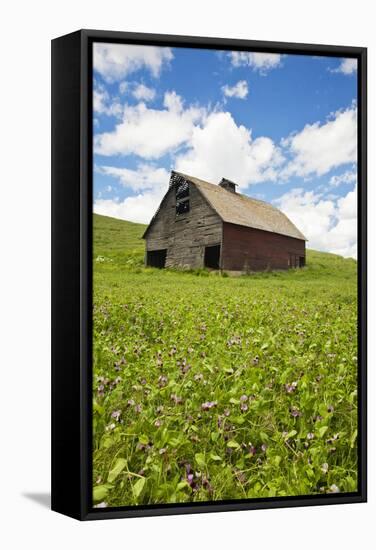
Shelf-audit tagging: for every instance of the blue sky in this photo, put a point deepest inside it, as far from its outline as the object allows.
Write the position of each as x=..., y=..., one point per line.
x=282, y=126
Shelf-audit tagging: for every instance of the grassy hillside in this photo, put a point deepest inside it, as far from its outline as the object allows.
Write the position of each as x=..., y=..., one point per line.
x=117, y=239
x=209, y=387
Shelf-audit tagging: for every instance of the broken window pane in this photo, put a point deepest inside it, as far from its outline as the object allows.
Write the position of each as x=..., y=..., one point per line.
x=182, y=190
x=182, y=207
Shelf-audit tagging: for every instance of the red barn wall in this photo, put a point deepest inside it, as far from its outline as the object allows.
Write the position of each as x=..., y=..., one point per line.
x=248, y=249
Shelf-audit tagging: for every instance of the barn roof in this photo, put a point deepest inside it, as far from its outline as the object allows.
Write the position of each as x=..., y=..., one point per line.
x=246, y=211
x=241, y=210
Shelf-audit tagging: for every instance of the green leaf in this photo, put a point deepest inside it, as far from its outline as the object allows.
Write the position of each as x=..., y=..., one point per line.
x=322, y=431
x=143, y=439
x=100, y=492
x=353, y=439
x=182, y=485
x=120, y=464
x=233, y=444
x=234, y=401
x=138, y=486
x=200, y=459
x=216, y=458
x=277, y=460
x=291, y=434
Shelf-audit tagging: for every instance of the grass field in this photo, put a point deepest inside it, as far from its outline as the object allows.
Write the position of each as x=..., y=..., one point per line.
x=209, y=387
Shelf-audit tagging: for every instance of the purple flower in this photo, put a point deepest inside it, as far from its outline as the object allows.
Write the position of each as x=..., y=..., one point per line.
x=244, y=407
x=310, y=435
x=290, y=388
x=162, y=381
x=295, y=413
x=130, y=402
x=177, y=400
x=138, y=408
x=116, y=415
x=208, y=405
x=251, y=449
x=158, y=423
x=243, y=398
x=263, y=447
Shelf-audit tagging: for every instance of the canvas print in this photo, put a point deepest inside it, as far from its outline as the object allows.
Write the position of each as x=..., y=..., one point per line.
x=224, y=275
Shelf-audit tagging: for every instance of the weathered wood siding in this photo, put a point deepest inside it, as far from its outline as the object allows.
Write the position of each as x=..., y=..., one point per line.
x=185, y=236
x=247, y=249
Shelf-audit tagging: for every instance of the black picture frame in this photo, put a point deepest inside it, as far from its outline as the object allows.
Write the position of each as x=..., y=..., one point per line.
x=72, y=272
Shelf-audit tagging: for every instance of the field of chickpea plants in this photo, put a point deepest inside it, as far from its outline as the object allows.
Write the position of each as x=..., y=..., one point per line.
x=207, y=387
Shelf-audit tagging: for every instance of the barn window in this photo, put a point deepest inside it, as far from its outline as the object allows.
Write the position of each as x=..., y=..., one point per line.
x=182, y=197
x=301, y=261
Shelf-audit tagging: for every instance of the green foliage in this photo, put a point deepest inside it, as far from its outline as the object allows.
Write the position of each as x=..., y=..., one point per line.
x=212, y=387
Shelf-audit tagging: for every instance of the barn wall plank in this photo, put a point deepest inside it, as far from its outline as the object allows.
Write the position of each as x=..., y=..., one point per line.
x=184, y=237
x=247, y=249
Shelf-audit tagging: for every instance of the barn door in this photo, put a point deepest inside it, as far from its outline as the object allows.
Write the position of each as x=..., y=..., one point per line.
x=212, y=256
x=156, y=258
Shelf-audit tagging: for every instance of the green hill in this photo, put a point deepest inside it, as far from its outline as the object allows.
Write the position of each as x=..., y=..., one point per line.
x=118, y=240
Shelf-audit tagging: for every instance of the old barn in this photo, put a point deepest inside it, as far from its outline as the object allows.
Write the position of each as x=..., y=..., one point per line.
x=200, y=224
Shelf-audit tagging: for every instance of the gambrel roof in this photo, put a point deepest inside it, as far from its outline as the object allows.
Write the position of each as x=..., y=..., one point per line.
x=242, y=210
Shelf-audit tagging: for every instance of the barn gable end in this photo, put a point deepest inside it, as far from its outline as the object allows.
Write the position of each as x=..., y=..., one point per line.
x=183, y=236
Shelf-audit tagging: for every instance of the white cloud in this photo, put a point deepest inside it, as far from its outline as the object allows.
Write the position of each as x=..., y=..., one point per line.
x=347, y=66
x=240, y=90
x=148, y=181
x=143, y=93
x=150, y=133
x=115, y=61
x=139, y=208
x=329, y=225
x=350, y=176
x=104, y=104
x=145, y=177
x=320, y=147
x=123, y=87
x=261, y=62
x=221, y=148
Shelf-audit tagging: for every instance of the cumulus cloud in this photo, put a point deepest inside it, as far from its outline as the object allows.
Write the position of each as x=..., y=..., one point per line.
x=350, y=176
x=115, y=61
x=240, y=90
x=143, y=93
x=320, y=147
x=221, y=148
x=139, y=208
x=104, y=104
x=147, y=181
x=261, y=62
x=151, y=133
x=347, y=66
x=329, y=224
x=144, y=177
